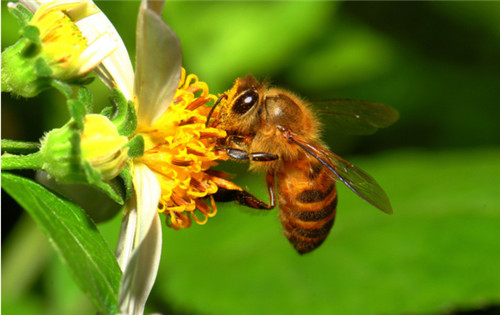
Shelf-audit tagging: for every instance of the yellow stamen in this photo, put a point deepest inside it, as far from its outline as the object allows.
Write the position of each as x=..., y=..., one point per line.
x=179, y=148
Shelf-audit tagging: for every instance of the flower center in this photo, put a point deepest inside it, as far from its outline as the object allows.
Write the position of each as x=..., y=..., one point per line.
x=179, y=148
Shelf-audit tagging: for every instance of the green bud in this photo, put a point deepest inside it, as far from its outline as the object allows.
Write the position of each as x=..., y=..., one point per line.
x=96, y=153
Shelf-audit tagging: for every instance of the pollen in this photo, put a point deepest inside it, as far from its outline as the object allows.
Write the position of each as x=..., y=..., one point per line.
x=180, y=150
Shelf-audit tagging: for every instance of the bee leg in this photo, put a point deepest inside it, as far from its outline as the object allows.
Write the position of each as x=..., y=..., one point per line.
x=245, y=198
x=242, y=197
x=238, y=154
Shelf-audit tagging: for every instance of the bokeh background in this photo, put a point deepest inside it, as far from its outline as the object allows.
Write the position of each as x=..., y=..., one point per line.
x=437, y=63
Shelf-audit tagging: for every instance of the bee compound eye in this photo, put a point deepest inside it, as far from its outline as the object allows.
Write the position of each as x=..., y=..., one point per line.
x=245, y=102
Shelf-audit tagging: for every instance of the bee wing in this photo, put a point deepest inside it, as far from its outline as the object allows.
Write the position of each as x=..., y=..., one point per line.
x=356, y=179
x=357, y=117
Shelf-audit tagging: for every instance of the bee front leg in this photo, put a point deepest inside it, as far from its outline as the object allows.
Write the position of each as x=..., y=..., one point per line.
x=245, y=198
x=235, y=146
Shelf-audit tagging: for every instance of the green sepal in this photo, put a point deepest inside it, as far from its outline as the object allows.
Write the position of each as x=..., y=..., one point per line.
x=124, y=116
x=86, y=80
x=22, y=15
x=85, y=97
x=107, y=111
x=78, y=108
x=42, y=68
x=77, y=111
x=136, y=146
x=31, y=33
x=112, y=189
x=92, y=176
x=62, y=87
x=126, y=178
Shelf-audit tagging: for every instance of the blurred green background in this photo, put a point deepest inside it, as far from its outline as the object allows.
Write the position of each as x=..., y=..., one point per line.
x=436, y=62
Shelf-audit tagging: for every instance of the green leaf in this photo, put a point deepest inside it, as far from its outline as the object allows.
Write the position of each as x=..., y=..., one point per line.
x=74, y=236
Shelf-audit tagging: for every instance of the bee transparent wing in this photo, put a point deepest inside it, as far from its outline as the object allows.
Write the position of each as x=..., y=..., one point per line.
x=360, y=182
x=356, y=179
x=357, y=117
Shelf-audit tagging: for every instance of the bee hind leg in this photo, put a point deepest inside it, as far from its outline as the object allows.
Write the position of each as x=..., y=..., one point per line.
x=245, y=198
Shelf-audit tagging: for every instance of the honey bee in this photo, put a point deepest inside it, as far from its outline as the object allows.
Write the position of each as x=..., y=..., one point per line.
x=279, y=132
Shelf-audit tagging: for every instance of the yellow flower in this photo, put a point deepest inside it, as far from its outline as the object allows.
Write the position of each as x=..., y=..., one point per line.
x=64, y=47
x=62, y=42
x=179, y=149
x=172, y=112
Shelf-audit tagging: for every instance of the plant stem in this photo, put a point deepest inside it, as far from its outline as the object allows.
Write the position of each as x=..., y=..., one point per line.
x=30, y=161
x=14, y=146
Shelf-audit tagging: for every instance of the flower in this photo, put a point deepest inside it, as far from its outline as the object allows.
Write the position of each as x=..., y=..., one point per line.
x=53, y=47
x=172, y=176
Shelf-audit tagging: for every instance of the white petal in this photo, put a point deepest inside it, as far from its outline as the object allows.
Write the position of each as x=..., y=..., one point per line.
x=33, y=5
x=79, y=7
x=139, y=246
x=97, y=51
x=127, y=234
x=158, y=66
x=115, y=70
x=155, y=5
x=147, y=191
x=140, y=274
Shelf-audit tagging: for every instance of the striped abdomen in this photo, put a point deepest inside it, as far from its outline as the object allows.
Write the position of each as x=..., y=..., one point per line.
x=307, y=200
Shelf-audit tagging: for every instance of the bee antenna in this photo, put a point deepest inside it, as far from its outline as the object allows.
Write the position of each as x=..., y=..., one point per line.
x=213, y=108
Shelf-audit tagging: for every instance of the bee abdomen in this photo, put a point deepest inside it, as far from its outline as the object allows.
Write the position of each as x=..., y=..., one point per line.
x=308, y=215
x=306, y=240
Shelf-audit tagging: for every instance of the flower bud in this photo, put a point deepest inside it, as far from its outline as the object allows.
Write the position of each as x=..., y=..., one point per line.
x=102, y=146
x=96, y=153
x=52, y=47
